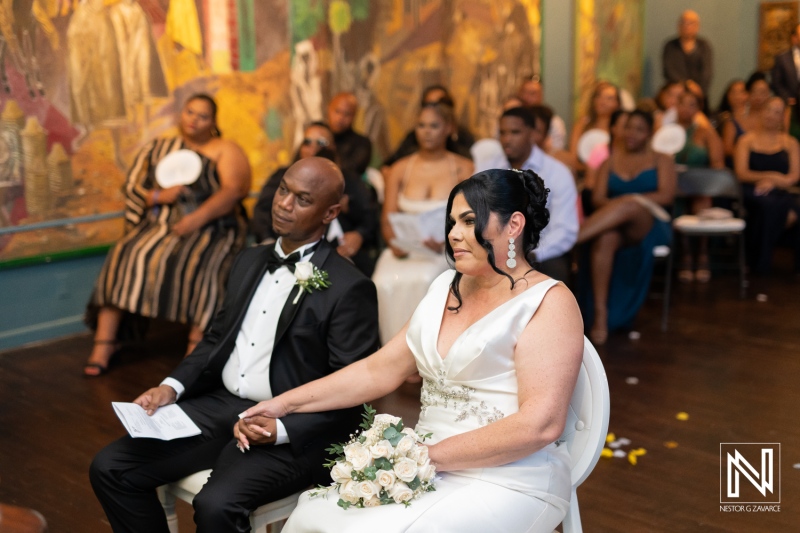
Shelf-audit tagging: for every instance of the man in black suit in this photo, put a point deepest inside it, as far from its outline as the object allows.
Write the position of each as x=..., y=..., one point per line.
x=786, y=71
x=355, y=150
x=269, y=336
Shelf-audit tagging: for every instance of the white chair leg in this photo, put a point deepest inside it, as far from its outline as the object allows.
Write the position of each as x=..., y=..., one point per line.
x=572, y=520
x=168, y=503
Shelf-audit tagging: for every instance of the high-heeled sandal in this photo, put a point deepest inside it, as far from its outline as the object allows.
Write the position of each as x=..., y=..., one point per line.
x=102, y=370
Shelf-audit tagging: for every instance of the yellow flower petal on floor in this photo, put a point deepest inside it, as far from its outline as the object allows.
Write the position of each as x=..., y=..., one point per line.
x=671, y=444
x=682, y=416
x=611, y=437
x=634, y=454
x=606, y=452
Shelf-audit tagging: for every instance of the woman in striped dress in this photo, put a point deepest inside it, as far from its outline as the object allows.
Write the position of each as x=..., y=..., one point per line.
x=173, y=261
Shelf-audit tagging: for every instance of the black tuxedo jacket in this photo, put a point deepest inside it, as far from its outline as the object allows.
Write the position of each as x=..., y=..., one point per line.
x=323, y=332
x=784, y=76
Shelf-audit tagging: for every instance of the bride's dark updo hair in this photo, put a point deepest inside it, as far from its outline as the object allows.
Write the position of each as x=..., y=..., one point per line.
x=502, y=192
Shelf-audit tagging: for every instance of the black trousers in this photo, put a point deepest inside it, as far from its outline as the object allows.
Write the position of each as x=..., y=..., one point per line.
x=126, y=473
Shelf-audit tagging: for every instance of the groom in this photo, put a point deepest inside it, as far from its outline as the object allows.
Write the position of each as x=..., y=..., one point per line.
x=268, y=337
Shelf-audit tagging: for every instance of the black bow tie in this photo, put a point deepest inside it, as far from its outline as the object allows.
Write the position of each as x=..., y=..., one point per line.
x=274, y=262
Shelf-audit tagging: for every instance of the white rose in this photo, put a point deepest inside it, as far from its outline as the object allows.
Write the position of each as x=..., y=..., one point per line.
x=303, y=270
x=385, y=478
x=347, y=492
x=358, y=456
x=420, y=454
x=386, y=419
x=382, y=449
x=411, y=433
x=371, y=436
x=404, y=446
x=426, y=471
x=367, y=489
x=405, y=469
x=372, y=502
x=400, y=492
x=341, y=472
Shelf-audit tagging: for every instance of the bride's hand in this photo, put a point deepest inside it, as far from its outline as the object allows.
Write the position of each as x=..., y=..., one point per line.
x=273, y=408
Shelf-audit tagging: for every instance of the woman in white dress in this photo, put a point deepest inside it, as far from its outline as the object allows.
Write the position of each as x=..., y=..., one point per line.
x=499, y=346
x=416, y=184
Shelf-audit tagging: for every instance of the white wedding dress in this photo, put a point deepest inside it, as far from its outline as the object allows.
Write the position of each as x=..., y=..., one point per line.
x=474, y=385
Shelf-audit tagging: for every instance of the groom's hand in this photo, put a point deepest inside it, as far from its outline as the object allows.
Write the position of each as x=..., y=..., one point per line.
x=256, y=430
x=156, y=397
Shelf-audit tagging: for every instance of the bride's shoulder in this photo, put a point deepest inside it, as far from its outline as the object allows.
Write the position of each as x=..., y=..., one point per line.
x=558, y=308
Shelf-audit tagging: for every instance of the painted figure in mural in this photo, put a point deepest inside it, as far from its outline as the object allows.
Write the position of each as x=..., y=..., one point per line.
x=305, y=92
x=374, y=118
x=634, y=186
x=174, y=259
x=96, y=93
x=19, y=20
x=142, y=76
x=417, y=183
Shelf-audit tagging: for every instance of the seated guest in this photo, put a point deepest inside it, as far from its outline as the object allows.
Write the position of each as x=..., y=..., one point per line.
x=496, y=406
x=417, y=183
x=703, y=149
x=605, y=100
x=732, y=112
x=355, y=151
x=616, y=141
x=459, y=141
x=768, y=163
x=531, y=93
x=269, y=337
x=355, y=230
x=179, y=243
x=667, y=102
x=625, y=227
x=518, y=136
x=758, y=92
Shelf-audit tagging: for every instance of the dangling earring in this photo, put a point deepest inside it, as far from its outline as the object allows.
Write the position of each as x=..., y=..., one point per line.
x=511, y=263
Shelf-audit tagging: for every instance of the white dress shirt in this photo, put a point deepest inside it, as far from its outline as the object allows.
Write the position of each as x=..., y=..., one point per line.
x=560, y=234
x=246, y=374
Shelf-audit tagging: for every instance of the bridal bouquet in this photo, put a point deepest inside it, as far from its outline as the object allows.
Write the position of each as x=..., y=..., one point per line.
x=385, y=463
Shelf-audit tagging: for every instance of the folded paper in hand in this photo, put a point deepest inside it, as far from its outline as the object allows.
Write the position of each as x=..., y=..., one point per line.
x=167, y=423
x=412, y=230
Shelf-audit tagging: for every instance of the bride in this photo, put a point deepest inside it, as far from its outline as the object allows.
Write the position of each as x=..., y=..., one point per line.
x=498, y=346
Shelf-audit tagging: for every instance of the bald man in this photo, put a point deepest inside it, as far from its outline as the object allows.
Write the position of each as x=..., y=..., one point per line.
x=689, y=57
x=355, y=150
x=269, y=336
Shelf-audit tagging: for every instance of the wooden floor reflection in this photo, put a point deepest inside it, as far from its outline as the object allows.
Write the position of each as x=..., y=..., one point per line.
x=732, y=365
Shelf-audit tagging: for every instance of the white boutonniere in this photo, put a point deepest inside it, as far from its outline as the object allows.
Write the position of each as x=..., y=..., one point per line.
x=309, y=277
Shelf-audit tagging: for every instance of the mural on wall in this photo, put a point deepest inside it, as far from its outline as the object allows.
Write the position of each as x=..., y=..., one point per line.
x=608, y=46
x=85, y=83
x=777, y=21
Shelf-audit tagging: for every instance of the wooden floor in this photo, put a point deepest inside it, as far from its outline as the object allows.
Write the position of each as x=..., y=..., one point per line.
x=732, y=365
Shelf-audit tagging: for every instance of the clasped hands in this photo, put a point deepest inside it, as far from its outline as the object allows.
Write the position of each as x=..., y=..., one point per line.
x=257, y=425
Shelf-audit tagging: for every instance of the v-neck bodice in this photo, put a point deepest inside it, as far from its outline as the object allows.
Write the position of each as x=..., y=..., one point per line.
x=475, y=384
x=479, y=366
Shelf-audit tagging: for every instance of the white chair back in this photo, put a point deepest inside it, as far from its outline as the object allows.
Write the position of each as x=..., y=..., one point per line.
x=587, y=426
